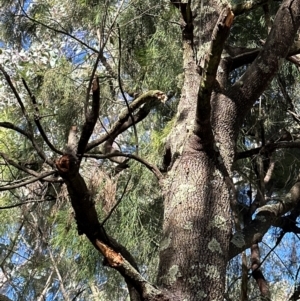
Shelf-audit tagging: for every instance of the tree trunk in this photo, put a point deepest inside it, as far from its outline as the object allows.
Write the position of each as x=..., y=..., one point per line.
x=196, y=230
x=198, y=189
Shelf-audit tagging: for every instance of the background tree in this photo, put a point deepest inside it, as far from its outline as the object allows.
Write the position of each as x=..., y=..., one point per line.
x=175, y=156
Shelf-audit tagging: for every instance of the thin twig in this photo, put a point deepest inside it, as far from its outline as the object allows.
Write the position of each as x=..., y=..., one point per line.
x=123, y=94
x=31, y=180
x=57, y=30
x=37, y=148
x=100, y=52
x=18, y=166
x=23, y=203
x=118, y=202
x=37, y=121
x=150, y=166
x=8, y=79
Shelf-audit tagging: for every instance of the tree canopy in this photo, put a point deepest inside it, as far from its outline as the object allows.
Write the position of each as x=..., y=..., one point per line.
x=149, y=150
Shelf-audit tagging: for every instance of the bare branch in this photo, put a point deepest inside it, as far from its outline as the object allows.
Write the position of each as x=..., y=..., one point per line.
x=266, y=216
x=90, y=120
x=23, y=203
x=18, y=166
x=22, y=183
x=150, y=166
x=117, y=203
x=11, y=126
x=37, y=119
x=149, y=99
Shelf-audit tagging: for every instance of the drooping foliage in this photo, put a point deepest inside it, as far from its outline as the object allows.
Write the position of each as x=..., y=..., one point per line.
x=53, y=47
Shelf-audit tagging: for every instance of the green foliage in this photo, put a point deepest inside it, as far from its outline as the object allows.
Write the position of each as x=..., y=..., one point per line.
x=150, y=55
x=158, y=138
x=55, y=51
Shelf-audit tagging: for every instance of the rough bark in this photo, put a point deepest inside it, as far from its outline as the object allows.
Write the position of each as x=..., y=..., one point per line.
x=197, y=226
x=198, y=189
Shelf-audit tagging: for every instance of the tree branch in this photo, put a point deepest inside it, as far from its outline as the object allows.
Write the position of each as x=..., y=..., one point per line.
x=23, y=203
x=90, y=120
x=116, y=255
x=257, y=273
x=150, y=166
x=210, y=66
x=37, y=148
x=18, y=166
x=258, y=76
x=57, y=30
x=22, y=183
x=11, y=126
x=149, y=99
x=37, y=119
x=117, y=203
x=268, y=148
x=266, y=216
x=11, y=85
x=240, y=56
